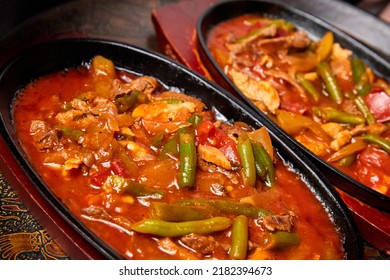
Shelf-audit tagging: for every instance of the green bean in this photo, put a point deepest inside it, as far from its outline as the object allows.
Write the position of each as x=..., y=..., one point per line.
x=309, y=87
x=363, y=108
x=128, y=101
x=239, y=247
x=173, y=229
x=347, y=160
x=195, y=119
x=125, y=185
x=383, y=143
x=247, y=159
x=141, y=190
x=281, y=240
x=229, y=207
x=171, y=147
x=188, y=159
x=74, y=134
x=263, y=164
x=333, y=115
x=360, y=76
x=179, y=213
x=330, y=82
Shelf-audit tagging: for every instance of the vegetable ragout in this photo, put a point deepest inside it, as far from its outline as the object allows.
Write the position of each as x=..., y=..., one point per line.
x=156, y=174
x=318, y=92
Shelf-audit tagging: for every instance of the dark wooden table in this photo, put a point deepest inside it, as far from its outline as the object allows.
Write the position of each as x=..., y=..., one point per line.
x=128, y=21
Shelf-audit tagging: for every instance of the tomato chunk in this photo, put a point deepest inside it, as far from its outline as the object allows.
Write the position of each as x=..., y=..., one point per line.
x=378, y=101
x=208, y=134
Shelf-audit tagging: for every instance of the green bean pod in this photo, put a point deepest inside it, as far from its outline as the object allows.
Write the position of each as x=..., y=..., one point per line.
x=245, y=152
x=281, y=240
x=347, y=160
x=171, y=147
x=332, y=115
x=309, y=87
x=173, y=229
x=128, y=101
x=330, y=82
x=74, y=134
x=138, y=189
x=360, y=77
x=363, y=108
x=229, y=207
x=195, y=119
x=179, y=213
x=188, y=159
x=239, y=247
x=381, y=142
x=263, y=164
x=125, y=185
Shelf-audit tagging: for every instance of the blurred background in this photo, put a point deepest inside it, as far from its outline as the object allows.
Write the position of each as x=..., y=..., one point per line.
x=16, y=11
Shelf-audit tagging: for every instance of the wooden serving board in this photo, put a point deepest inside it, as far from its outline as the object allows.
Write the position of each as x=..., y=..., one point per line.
x=175, y=26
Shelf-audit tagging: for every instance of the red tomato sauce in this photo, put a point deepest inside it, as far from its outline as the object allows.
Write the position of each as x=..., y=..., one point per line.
x=84, y=132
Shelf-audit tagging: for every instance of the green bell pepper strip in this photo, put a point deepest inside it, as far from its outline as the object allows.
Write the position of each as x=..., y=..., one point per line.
x=263, y=164
x=239, y=247
x=188, y=159
x=157, y=140
x=332, y=115
x=228, y=207
x=360, y=77
x=247, y=160
x=383, y=143
x=281, y=240
x=126, y=160
x=325, y=46
x=252, y=34
x=331, y=84
x=174, y=229
x=348, y=150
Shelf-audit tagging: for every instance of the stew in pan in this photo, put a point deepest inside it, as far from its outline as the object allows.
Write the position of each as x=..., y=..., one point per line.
x=157, y=174
x=318, y=92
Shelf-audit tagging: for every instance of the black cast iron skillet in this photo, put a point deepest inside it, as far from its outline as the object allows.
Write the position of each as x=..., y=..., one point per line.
x=57, y=55
x=316, y=28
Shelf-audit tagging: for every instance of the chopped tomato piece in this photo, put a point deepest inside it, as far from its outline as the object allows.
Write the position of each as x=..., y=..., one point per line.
x=99, y=177
x=378, y=101
x=210, y=135
x=118, y=168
